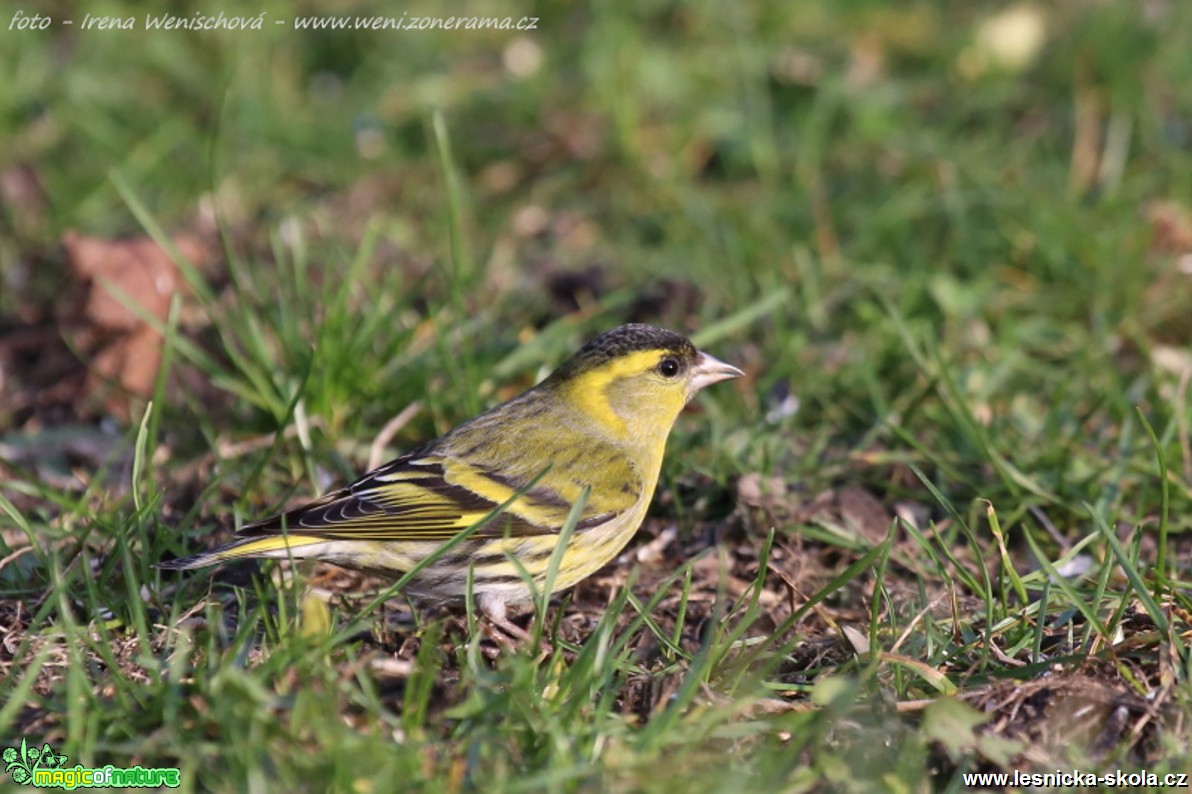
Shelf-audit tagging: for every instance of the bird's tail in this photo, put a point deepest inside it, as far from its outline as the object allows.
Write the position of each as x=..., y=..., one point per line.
x=270, y=546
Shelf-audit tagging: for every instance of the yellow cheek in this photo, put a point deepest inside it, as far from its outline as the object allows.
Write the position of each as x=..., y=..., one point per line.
x=590, y=391
x=594, y=402
x=627, y=400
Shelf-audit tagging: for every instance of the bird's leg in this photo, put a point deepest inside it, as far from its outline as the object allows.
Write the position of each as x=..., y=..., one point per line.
x=509, y=634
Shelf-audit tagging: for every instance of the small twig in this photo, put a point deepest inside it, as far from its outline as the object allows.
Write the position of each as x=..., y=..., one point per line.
x=915, y=622
x=14, y=555
x=377, y=451
x=240, y=448
x=1045, y=522
x=1004, y=658
x=792, y=590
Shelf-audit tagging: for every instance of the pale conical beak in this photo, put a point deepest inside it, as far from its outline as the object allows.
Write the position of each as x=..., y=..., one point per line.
x=709, y=370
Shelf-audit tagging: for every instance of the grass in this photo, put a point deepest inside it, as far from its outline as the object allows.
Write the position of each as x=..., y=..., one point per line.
x=940, y=528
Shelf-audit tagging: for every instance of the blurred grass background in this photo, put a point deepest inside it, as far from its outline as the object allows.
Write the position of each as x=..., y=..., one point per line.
x=957, y=235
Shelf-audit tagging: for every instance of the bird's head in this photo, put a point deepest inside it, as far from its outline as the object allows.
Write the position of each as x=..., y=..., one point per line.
x=635, y=379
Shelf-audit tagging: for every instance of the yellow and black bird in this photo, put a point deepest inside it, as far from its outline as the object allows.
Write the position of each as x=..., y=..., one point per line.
x=598, y=423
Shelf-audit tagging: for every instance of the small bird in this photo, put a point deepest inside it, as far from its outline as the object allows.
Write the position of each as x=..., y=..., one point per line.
x=597, y=424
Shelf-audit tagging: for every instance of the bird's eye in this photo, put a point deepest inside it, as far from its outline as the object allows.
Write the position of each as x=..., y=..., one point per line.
x=668, y=367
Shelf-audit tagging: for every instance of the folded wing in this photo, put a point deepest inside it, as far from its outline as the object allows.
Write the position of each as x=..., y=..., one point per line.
x=432, y=498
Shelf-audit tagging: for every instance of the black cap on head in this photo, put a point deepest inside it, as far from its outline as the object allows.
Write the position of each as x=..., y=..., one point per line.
x=628, y=339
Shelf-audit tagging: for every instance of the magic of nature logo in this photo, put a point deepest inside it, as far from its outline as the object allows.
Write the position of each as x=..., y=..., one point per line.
x=44, y=768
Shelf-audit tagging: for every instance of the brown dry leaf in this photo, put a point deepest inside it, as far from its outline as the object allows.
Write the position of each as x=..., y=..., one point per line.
x=852, y=510
x=23, y=197
x=767, y=493
x=798, y=67
x=1171, y=227
x=1167, y=296
x=867, y=62
x=126, y=351
x=864, y=513
x=1088, y=710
